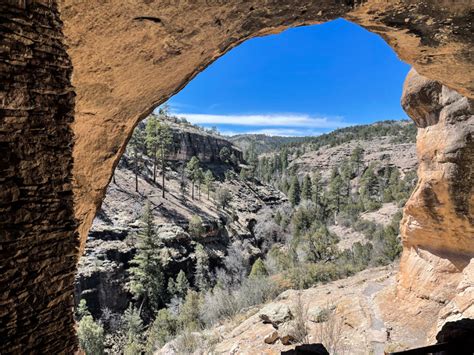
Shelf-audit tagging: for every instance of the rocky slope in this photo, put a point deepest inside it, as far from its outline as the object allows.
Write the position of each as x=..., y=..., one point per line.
x=110, y=246
x=352, y=315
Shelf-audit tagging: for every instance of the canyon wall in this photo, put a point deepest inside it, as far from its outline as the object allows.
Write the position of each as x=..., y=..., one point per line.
x=188, y=143
x=129, y=57
x=38, y=244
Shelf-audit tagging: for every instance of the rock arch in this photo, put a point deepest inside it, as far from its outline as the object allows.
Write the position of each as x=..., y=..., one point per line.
x=129, y=57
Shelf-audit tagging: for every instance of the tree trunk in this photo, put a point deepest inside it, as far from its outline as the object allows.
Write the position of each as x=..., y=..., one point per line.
x=163, y=170
x=192, y=190
x=136, y=173
x=154, y=169
x=136, y=181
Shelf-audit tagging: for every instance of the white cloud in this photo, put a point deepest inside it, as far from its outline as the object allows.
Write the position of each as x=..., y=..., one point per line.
x=267, y=120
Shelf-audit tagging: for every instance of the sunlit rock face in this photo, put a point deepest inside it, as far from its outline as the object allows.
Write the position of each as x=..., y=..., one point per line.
x=130, y=56
x=438, y=223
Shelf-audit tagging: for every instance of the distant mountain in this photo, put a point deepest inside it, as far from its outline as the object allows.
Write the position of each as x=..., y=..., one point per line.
x=262, y=142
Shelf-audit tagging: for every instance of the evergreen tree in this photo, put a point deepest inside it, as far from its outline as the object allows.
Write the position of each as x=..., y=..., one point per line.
x=346, y=176
x=196, y=228
x=224, y=154
x=202, y=275
x=163, y=329
x=208, y=182
x=357, y=158
x=90, y=333
x=294, y=192
x=223, y=198
x=188, y=318
x=146, y=276
x=192, y=170
x=370, y=184
x=321, y=245
x=133, y=328
x=316, y=188
x=258, y=269
x=336, y=192
x=306, y=189
x=136, y=148
x=180, y=286
x=199, y=180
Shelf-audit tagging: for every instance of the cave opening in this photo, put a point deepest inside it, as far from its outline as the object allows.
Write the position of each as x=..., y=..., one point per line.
x=272, y=110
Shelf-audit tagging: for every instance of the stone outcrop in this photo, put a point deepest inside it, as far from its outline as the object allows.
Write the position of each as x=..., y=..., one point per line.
x=438, y=224
x=128, y=57
x=189, y=142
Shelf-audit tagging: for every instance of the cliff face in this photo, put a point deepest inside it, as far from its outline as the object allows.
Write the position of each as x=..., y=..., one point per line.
x=438, y=224
x=189, y=143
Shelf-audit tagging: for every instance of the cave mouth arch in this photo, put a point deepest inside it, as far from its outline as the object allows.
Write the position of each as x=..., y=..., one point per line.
x=109, y=102
x=293, y=53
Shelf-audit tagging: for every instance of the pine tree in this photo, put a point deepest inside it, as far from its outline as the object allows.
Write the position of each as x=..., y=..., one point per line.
x=192, y=170
x=188, y=318
x=316, y=188
x=258, y=269
x=294, y=192
x=202, y=275
x=180, y=286
x=208, y=182
x=336, y=192
x=224, y=154
x=134, y=328
x=90, y=333
x=199, y=180
x=136, y=148
x=306, y=188
x=357, y=157
x=196, y=228
x=146, y=276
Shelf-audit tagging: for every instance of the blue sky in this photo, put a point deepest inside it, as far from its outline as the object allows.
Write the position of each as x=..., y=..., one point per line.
x=304, y=81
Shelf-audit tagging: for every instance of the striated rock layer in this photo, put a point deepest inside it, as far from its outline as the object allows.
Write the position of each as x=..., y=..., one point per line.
x=38, y=245
x=438, y=223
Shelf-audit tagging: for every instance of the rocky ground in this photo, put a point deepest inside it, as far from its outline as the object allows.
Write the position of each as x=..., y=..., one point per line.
x=353, y=316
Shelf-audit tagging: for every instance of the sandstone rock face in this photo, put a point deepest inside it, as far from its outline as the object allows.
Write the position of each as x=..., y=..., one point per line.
x=438, y=224
x=130, y=57
x=38, y=245
x=189, y=142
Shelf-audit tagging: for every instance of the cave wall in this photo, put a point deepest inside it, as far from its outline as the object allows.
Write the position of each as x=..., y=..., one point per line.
x=38, y=244
x=129, y=57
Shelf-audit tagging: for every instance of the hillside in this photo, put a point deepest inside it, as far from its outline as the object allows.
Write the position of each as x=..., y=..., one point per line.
x=305, y=212
x=263, y=143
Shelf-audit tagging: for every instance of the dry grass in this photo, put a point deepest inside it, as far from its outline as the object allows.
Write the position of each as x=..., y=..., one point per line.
x=330, y=331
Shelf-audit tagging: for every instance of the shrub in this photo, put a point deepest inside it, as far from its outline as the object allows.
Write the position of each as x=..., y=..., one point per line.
x=196, y=228
x=223, y=197
x=91, y=336
x=258, y=269
x=162, y=330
